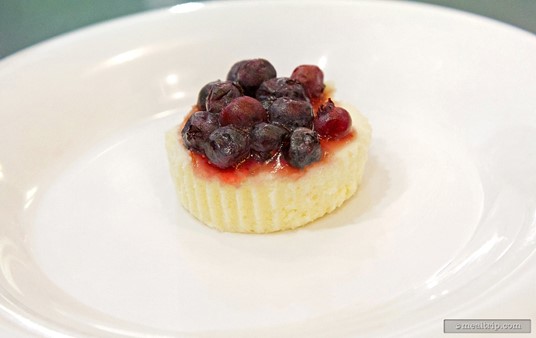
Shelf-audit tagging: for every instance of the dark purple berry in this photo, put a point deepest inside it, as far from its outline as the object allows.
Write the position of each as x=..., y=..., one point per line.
x=278, y=87
x=312, y=79
x=333, y=122
x=251, y=73
x=221, y=94
x=197, y=129
x=304, y=148
x=266, y=140
x=291, y=113
x=203, y=93
x=243, y=112
x=232, y=75
x=227, y=147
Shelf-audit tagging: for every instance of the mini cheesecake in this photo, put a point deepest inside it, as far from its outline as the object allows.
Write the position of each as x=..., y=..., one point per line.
x=260, y=153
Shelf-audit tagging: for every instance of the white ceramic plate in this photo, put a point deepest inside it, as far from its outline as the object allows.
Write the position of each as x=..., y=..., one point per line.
x=94, y=242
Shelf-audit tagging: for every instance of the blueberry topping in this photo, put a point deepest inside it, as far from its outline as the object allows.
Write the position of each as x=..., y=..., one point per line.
x=266, y=140
x=304, y=148
x=227, y=147
x=278, y=87
x=312, y=79
x=197, y=129
x=233, y=72
x=256, y=115
x=243, y=112
x=250, y=74
x=291, y=113
x=221, y=94
x=203, y=93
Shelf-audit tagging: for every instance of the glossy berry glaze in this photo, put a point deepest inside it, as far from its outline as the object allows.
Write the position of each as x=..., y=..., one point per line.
x=268, y=127
x=277, y=165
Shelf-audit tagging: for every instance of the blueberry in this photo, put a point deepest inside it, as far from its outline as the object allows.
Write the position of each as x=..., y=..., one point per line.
x=232, y=75
x=227, y=147
x=266, y=140
x=197, y=129
x=304, y=148
x=278, y=87
x=243, y=112
x=221, y=94
x=203, y=93
x=312, y=79
x=250, y=74
x=291, y=113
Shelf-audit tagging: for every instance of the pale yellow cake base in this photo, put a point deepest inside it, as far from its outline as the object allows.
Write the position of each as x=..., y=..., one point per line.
x=270, y=202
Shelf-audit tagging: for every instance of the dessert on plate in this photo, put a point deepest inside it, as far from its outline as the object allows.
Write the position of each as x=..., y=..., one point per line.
x=260, y=153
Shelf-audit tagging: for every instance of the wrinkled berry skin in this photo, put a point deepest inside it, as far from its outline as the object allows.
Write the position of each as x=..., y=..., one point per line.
x=203, y=93
x=304, y=148
x=197, y=129
x=221, y=94
x=266, y=140
x=227, y=147
x=243, y=112
x=332, y=122
x=291, y=113
x=278, y=87
x=312, y=79
x=251, y=73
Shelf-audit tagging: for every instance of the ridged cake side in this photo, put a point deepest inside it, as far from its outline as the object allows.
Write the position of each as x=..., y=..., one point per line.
x=269, y=202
